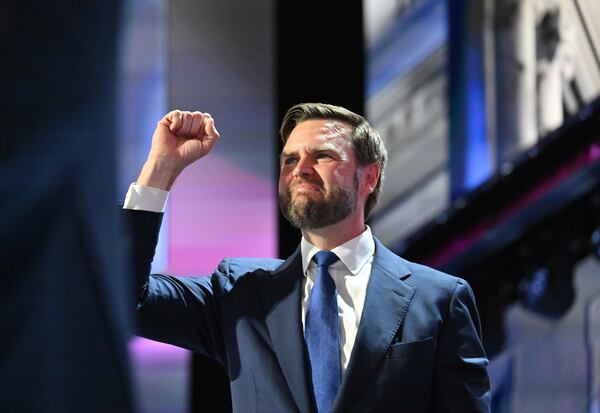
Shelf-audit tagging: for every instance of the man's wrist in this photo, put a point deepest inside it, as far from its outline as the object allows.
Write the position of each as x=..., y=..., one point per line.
x=159, y=174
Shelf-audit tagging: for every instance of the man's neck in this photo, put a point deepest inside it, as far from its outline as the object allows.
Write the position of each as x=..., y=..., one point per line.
x=327, y=238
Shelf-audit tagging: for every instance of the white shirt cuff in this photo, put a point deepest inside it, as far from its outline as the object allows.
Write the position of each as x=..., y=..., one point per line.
x=145, y=198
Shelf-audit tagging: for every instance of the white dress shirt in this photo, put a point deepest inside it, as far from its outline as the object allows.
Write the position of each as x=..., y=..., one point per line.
x=350, y=274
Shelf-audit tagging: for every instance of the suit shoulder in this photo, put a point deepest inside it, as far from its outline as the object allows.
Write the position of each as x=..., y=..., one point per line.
x=417, y=275
x=238, y=267
x=433, y=277
x=242, y=272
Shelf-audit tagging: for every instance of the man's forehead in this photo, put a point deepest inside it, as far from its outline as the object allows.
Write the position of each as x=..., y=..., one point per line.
x=333, y=128
x=322, y=129
x=317, y=135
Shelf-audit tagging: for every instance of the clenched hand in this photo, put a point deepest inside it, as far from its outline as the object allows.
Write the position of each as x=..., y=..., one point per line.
x=180, y=139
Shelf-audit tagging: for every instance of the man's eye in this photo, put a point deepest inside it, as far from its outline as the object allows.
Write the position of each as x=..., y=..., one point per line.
x=324, y=156
x=289, y=161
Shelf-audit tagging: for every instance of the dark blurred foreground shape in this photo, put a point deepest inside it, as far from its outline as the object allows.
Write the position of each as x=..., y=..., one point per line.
x=63, y=326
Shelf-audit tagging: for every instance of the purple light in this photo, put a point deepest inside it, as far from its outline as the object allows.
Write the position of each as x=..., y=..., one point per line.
x=218, y=210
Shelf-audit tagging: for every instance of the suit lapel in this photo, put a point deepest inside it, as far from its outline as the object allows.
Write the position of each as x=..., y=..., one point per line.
x=385, y=307
x=281, y=298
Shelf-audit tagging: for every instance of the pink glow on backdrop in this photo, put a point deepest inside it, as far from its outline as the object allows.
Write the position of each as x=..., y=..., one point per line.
x=216, y=210
x=220, y=210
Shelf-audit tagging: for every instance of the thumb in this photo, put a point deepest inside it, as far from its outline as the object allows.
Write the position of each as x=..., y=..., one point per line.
x=172, y=120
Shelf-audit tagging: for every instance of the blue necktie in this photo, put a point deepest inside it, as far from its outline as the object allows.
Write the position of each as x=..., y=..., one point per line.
x=322, y=334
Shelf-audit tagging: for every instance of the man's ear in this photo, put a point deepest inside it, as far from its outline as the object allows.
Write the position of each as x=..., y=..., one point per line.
x=370, y=176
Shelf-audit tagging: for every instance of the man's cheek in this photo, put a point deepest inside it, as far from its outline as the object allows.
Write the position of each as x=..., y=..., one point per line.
x=338, y=177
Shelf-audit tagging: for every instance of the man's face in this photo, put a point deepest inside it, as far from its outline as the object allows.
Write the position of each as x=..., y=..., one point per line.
x=318, y=181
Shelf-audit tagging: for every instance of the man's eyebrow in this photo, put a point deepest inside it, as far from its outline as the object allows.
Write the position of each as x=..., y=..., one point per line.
x=325, y=147
x=286, y=153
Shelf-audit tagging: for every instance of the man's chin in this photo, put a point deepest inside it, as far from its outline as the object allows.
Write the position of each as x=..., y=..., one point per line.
x=304, y=195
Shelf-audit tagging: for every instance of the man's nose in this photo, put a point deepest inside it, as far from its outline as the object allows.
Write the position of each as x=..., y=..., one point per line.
x=304, y=167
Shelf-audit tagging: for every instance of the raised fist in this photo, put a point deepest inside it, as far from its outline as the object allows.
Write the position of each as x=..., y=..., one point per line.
x=180, y=139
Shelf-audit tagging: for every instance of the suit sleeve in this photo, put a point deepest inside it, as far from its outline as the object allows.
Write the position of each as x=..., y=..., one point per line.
x=181, y=311
x=462, y=383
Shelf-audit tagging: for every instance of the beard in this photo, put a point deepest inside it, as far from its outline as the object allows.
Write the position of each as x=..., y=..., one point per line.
x=307, y=212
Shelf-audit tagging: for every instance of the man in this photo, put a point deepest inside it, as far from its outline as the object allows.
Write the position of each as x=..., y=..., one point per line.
x=343, y=324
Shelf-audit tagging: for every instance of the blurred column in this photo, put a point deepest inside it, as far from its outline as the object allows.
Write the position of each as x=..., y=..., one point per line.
x=472, y=138
x=516, y=77
x=555, y=65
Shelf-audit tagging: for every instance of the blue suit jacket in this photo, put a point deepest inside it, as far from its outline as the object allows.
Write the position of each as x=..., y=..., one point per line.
x=417, y=349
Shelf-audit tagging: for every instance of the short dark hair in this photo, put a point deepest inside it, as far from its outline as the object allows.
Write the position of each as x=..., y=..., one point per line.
x=368, y=145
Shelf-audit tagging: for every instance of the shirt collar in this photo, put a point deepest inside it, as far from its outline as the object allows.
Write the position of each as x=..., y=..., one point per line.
x=354, y=254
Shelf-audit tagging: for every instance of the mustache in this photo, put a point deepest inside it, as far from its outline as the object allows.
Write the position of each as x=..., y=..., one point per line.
x=300, y=181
